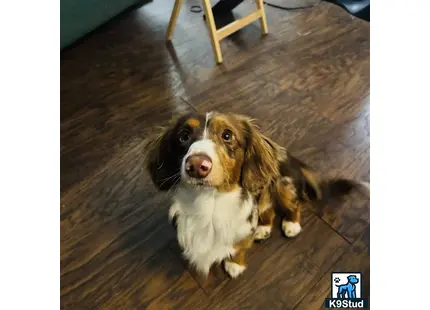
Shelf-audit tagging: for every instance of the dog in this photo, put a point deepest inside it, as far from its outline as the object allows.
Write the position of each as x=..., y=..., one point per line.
x=229, y=182
x=348, y=288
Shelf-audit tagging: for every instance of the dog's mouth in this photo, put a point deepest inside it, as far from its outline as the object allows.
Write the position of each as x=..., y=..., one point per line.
x=198, y=183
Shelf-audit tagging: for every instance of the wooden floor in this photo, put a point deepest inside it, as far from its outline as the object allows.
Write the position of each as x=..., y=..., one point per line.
x=307, y=83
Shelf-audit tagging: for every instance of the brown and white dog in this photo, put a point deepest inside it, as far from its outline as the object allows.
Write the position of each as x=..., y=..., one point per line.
x=230, y=181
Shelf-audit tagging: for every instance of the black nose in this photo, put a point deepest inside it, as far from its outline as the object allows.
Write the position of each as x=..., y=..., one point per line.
x=198, y=166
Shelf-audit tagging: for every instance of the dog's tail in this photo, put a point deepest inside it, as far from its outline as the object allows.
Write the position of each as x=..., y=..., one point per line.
x=324, y=190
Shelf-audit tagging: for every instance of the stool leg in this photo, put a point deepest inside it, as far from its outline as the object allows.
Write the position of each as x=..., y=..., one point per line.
x=173, y=19
x=212, y=30
x=263, y=21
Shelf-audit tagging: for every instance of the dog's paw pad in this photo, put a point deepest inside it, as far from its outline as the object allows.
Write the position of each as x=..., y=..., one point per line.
x=291, y=229
x=262, y=232
x=234, y=270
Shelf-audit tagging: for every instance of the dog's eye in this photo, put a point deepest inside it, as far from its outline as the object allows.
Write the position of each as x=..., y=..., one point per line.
x=184, y=136
x=227, y=135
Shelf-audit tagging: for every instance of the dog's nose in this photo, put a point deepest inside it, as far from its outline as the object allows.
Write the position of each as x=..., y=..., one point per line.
x=198, y=166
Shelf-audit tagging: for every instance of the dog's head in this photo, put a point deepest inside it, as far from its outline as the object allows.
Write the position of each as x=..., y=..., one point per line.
x=221, y=151
x=352, y=279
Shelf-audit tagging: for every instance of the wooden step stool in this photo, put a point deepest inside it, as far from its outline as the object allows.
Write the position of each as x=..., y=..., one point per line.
x=217, y=35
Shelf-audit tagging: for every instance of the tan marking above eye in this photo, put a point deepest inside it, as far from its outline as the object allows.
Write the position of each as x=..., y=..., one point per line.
x=193, y=122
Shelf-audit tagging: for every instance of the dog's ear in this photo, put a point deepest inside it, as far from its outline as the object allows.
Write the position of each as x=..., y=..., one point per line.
x=161, y=158
x=262, y=157
x=155, y=150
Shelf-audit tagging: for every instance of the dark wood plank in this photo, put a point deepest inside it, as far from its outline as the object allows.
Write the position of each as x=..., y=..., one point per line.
x=341, y=149
x=349, y=218
x=158, y=283
x=355, y=260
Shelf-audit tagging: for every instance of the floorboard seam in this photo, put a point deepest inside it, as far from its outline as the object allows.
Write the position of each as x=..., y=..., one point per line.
x=189, y=104
x=184, y=264
x=320, y=278
x=338, y=233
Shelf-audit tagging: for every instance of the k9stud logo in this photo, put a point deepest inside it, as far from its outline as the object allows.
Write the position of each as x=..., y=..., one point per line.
x=346, y=290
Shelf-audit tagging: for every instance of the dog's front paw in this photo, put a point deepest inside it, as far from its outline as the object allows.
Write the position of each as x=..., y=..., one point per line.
x=234, y=270
x=291, y=229
x=262, y=232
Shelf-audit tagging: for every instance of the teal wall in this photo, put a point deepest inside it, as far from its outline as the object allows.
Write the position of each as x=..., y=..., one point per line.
x=79, y=17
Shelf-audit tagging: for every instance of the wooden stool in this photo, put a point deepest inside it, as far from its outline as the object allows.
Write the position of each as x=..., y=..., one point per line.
x=217, y=35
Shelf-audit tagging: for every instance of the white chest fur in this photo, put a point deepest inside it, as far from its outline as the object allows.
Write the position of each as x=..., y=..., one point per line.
x=209, y=223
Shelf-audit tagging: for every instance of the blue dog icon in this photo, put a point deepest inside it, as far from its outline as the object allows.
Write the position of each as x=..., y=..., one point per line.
x=348, y=288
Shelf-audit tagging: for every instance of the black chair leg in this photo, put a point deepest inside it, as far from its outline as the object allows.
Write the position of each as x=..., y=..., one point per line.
x=224, y=6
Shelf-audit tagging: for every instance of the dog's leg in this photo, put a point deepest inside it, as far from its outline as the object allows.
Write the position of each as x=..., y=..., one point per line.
x=266, y=215
x=236, y=264
x=290, y=205
x=342, y=291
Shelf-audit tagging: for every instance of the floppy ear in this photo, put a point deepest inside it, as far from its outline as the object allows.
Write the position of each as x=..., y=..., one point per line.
x=262, y=157
x=160, y=163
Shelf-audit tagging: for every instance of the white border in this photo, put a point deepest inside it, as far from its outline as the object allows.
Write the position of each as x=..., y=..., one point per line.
x=400, y=119
x=29, y=155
